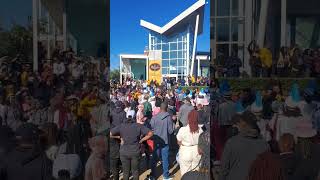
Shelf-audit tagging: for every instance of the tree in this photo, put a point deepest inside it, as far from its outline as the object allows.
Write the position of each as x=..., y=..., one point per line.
x=17, y=40
x=115, y=75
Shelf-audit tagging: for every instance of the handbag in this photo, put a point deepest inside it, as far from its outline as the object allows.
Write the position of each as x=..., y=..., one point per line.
x=150, y=145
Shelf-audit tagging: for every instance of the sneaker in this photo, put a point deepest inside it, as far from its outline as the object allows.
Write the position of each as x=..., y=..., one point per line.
x=169, y=178
x=149, y=177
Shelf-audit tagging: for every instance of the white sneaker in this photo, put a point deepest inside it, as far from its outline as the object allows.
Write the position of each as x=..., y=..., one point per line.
x=169, y=178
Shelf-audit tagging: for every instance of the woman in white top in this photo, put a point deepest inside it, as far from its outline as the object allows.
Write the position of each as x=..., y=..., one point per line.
x=187, y=137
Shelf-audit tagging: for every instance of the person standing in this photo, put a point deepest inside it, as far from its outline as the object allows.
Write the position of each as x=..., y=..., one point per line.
x=188, y=141
x=118, y=114
x=130, y=133
x=184, y=111
x=162, y=126
x=241, y=150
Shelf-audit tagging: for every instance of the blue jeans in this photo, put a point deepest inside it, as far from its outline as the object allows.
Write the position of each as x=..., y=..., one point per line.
x=162, y=150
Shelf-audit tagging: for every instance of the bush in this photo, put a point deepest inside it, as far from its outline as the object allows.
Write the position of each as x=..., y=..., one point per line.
x=261, y=83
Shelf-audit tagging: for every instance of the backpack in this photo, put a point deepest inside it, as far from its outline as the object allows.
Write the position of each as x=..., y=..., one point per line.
x=147, y=108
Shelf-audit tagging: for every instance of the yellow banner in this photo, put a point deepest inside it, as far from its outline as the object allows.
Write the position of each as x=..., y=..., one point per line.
x=155, y=70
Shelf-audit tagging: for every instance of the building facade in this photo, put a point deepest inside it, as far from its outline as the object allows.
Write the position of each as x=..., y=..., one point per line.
x=172, y=48
x=272, y=23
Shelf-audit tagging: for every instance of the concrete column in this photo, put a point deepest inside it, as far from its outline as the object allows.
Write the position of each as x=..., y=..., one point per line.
x=64, y=26
x=283, y=22
x=199, y=74
x=248, y=34
x=121, y=69
x=48, y=37
x=194, y=44
x=262, y=22
x=35, y=33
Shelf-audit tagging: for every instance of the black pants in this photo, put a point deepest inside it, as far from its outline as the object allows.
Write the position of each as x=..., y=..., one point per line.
x=130, y=162
x=114, y=167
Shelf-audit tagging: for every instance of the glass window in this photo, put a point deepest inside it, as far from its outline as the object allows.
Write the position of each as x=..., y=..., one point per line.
x=237, y=23
x=180, y=54
x=165, y=47
x=223, y=29
x=173, y=63
x=223, y=7
x=173, y=54
x=179, y=45
x=165, y=55
x=212, y=29
x=173, y=71
x=173, y=46
x=164, y=70
x=222, y=52
x=235, y=8
x=158, y=46
x=165, y=63
x=180, y=62
x=239, y=49
x=181, y=70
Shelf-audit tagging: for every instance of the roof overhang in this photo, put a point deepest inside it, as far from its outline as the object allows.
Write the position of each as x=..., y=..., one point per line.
x=133, y=56
x=184, y=18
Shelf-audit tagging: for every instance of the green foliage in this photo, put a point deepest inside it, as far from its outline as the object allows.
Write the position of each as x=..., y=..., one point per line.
x=262, y=84
x=115, y=75
x=18, y=40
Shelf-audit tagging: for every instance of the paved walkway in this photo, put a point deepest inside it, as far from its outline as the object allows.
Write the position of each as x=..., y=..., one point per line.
x=145, y=171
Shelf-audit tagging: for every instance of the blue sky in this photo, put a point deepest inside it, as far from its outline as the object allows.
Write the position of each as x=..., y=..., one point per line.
x=128, y=37
x=15, y=11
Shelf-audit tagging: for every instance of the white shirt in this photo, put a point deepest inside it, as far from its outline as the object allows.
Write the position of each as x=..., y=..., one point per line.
x=76, y=70
x=58, y=69
x=70, y=162
x=187, y=138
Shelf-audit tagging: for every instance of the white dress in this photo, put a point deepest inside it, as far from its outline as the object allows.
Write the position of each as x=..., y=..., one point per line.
x=189, y=157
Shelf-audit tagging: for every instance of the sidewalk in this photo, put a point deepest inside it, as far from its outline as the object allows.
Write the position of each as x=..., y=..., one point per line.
x=145, y=171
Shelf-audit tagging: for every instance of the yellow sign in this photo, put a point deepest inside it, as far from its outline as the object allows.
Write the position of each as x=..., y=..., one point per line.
x=155, y=70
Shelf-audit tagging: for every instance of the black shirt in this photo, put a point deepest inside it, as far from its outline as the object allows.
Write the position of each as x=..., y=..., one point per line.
x=131, y=134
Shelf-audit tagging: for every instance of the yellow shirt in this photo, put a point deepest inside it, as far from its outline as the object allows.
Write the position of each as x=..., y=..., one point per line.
x=266, y=57
x=86, y=105
x=24, y=78
x=193, y=80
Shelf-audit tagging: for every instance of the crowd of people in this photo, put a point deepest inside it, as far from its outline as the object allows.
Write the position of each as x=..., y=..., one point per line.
x=266, y=134
x=54, y=120
x=157, y=122
x=288, y=62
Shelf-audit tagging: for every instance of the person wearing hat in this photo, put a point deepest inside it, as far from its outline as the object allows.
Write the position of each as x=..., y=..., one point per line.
x=308, y=151
x=130, y=134
x=118, y=115
x=291, y=114
x=99, y=115
x=28, y=160
x=241, y=150
x=184, y=111
x=257, y=109
x=224, y=112
x=204, y=115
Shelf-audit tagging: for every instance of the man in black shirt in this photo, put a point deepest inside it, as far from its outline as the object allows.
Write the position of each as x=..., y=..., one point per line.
x=130, y=135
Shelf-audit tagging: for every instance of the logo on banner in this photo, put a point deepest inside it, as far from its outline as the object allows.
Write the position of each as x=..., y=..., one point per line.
x=155, y=67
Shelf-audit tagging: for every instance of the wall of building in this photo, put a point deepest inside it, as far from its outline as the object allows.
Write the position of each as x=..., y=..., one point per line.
x=138, y=68
x=87, y=21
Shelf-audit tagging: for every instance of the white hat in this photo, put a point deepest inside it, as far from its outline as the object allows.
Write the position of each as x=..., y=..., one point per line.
x=131, y=113
x=255, y=109
x=292, y=104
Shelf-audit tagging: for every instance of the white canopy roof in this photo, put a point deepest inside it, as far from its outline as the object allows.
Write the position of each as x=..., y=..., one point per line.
x=180, y=20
